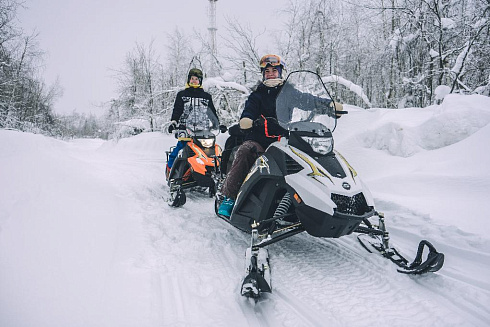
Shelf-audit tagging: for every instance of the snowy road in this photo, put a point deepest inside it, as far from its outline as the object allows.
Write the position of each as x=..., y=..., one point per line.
x=197, y=262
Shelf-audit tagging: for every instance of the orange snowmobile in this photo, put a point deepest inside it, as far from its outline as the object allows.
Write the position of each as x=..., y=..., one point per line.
x=197, y=165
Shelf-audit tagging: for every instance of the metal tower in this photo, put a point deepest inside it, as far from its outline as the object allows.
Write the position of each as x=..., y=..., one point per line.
x=212, y=38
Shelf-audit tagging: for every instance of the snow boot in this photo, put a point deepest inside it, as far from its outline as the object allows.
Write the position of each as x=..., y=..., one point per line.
x=226, y=207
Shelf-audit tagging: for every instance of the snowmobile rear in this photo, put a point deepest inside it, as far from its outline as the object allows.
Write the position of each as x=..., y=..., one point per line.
x=302, y=184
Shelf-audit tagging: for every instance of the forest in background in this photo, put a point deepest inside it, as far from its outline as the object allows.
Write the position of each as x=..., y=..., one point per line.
x=378, y=53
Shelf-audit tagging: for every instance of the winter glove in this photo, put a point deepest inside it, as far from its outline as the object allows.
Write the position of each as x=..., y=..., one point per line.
x=223, y=128
x=172, y=126
x=246, y=125
x=338, y=108
x=235, y=130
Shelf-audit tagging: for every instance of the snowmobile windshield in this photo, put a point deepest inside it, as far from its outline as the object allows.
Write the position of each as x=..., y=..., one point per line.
x=304, y=99
x=199, y=117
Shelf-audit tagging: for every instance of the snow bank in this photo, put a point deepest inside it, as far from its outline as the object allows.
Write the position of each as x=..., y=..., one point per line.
x=415, y=129
x=69, y=230
x=144, y=143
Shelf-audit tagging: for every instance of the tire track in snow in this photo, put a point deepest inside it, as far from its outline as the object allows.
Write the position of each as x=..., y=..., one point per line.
x=458, y=290
x=217, y=246
x=167, y=298
x=168, y=305
x=157, y=314
x=298, y=312
x=341, y=275
x=232, y=244
x=173, y=301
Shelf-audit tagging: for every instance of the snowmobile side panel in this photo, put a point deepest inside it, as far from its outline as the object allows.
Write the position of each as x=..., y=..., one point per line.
x=261, y=188
x=257, y=205
x=205, y=180
x=315, y=194
x=178, y=169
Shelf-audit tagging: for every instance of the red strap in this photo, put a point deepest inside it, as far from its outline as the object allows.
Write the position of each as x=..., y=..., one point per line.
x=267, y=131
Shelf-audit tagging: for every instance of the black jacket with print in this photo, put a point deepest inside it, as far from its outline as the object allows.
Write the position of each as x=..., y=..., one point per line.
x=187, y=99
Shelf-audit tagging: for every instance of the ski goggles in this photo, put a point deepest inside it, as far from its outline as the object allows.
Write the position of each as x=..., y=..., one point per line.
x=272, y=60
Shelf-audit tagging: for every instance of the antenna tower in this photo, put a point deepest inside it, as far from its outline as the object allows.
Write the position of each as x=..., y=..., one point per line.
x=212, y=37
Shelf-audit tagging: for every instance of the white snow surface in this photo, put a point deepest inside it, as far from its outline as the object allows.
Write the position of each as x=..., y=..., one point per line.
x=441, y=91
x=458, y=65
x=87, y=238
x=220, y=83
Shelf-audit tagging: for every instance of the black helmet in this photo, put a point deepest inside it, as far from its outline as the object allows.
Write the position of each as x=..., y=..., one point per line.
x=195, y=72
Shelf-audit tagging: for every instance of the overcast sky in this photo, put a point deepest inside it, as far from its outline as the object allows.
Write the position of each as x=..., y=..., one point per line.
x=84, y=39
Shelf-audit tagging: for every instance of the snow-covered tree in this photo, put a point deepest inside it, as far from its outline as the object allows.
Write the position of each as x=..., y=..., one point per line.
x=179, y=57
x=25, y=100
x=140, y=88
x=228, y=97
x=241, y=51
x=397, y=51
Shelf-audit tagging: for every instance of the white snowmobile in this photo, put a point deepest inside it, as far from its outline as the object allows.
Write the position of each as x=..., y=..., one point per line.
x=302, y=184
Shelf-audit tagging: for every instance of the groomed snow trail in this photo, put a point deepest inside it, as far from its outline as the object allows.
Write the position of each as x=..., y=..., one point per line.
x=184, y=266
x=197, y=262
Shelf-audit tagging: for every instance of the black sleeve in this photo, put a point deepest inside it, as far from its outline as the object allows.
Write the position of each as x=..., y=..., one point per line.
x=310, y=102
x=178, y=107
x=252, y=107
x=211, y=106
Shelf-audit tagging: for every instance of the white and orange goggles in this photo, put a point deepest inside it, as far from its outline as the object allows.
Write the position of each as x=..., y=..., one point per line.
x=272, y=60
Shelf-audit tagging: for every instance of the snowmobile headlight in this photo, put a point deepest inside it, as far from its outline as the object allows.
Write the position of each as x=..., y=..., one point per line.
x=321, y=145
x=207, y=143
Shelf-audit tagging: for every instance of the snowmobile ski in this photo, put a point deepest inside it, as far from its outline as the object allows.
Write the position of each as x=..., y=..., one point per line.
x=432, y=263
x=258, y=278
x=177, y=197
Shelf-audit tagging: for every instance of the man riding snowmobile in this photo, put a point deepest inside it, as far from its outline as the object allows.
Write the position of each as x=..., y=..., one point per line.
x=259, y=129
x=302, y=184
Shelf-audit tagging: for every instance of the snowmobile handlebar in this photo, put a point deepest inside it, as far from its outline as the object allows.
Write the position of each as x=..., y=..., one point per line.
x=183, y=134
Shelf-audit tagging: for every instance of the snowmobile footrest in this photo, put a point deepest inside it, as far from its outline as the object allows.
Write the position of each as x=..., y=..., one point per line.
x=279, y=237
